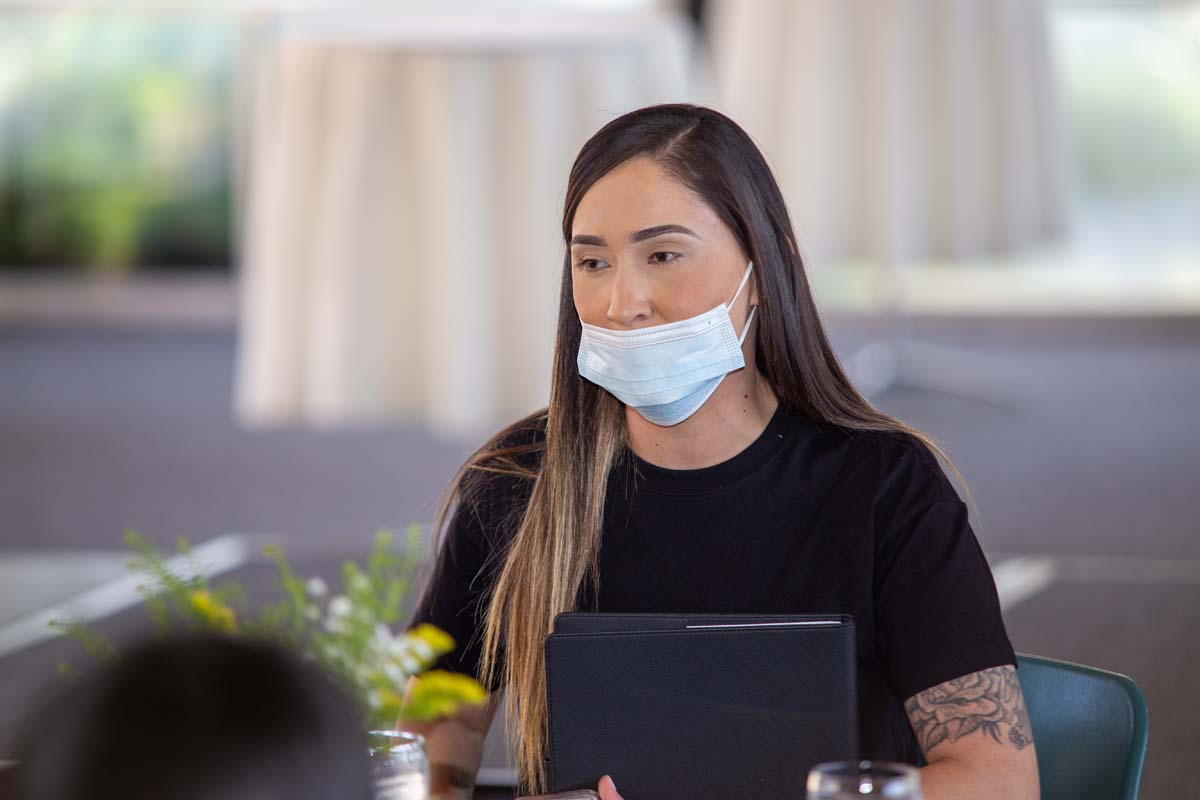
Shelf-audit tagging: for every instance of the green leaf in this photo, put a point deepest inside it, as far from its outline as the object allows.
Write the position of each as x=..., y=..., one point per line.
x=291, y=608
x=95, y=644
x=232, y=594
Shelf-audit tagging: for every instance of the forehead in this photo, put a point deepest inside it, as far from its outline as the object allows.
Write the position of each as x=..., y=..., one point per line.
x=637, y=194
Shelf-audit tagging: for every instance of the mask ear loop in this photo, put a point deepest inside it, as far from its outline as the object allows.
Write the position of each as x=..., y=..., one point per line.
x=753, y=308
x=742, y=285
x=746, y=329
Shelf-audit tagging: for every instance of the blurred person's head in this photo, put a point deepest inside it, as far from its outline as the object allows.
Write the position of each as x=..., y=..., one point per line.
x=198, y=717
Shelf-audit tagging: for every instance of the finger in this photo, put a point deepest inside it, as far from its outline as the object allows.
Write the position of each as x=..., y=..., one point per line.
x=608, y=789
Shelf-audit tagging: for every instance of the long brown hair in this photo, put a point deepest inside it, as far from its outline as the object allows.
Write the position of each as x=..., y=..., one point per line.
x=556, y=535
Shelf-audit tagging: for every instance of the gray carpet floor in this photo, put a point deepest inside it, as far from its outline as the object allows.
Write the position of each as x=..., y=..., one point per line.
x=1079, y=437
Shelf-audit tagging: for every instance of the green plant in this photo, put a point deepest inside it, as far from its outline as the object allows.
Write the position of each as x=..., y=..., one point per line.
x=349, y=633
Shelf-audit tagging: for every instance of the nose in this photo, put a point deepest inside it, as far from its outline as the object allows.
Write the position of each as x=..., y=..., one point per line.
x=628, y=299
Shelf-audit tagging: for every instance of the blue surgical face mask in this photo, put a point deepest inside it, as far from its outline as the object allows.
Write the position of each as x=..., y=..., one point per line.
x=666, y=372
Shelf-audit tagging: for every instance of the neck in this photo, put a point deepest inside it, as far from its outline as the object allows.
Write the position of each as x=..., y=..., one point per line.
x=729, y=421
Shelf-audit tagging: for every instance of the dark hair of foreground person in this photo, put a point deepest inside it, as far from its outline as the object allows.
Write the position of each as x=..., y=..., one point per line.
x=198, y=717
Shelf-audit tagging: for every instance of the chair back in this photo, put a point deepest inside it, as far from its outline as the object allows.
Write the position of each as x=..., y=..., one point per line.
x=1089, y=727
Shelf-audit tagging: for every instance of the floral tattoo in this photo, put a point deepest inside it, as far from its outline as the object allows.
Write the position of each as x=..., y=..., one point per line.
x=989, y=701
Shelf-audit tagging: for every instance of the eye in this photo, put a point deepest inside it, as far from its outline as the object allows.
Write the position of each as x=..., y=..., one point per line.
x=593, y=264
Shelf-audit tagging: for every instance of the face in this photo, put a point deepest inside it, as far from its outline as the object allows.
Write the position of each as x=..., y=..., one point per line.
x=631, y=271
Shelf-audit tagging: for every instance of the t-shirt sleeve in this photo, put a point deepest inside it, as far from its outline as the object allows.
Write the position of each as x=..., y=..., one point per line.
x=455, y=598
x=937, y=611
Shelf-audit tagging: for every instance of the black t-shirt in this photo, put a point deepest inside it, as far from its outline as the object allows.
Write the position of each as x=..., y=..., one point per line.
x=810, y=518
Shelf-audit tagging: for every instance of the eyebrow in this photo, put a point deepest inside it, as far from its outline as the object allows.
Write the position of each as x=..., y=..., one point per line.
x=636, y=236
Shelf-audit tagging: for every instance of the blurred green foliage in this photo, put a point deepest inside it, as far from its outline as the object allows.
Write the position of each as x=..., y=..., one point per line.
x=350, y=634
x=115, y=137
x=1131, y=91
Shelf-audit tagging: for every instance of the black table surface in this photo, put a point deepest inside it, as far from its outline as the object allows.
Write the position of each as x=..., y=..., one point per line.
x=490, y=793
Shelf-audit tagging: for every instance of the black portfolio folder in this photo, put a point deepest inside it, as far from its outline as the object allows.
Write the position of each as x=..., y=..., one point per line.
x=682, y=706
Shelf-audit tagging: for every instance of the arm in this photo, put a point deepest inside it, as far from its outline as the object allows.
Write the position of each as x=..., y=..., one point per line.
x=454, y=746
x=976, y=737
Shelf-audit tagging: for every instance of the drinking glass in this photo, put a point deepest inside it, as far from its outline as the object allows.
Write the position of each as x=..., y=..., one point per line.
x=399, y=766
x=849, y=780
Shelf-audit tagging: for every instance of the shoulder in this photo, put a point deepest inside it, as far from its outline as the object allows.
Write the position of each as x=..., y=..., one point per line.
x=527, y=431
x=516, y=450
x=897, y=468
x=497, y=478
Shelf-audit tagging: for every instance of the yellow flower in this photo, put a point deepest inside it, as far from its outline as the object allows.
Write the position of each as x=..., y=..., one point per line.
x=387, y=698
x=214, y=612
x=439, y=693
x=438, y=639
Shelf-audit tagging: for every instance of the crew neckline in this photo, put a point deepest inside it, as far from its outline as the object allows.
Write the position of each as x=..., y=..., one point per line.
x=664, y=480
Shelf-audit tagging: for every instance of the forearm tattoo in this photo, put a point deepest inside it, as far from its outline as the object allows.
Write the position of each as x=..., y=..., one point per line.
x=989, y=701
x=447, y=780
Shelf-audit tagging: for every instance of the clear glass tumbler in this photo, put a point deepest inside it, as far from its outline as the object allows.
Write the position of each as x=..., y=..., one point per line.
x=399, y=766
x=849, y=780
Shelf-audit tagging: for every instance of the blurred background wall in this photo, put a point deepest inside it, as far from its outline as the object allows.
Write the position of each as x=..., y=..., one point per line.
x=248, y=254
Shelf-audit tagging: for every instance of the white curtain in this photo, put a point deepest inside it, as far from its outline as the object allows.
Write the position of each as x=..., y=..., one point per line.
x=402, y=247
x=400, y=250
x=900, y=129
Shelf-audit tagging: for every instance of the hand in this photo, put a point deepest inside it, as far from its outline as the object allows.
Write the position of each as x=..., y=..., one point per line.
x=608, y=789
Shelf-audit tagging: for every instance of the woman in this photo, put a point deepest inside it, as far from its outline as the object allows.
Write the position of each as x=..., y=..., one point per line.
x=703, y=451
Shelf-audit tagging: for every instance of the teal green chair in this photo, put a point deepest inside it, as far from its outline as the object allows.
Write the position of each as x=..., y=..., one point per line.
x=1089, y=727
